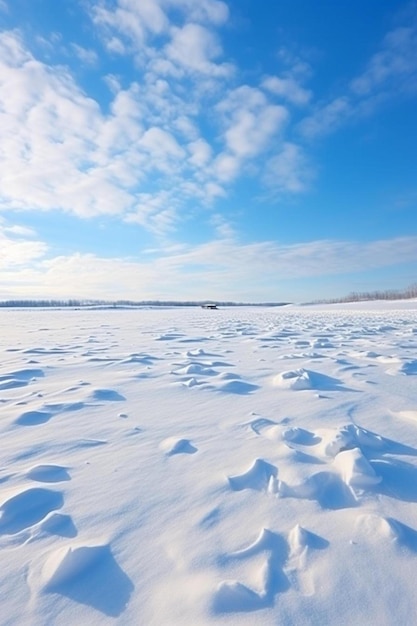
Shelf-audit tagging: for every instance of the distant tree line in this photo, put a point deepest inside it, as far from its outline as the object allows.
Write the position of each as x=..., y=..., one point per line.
x=42, y=303
x=74, y=303
x=387, y=294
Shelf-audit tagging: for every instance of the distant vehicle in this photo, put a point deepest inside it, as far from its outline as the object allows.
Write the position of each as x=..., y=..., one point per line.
x=209, y=306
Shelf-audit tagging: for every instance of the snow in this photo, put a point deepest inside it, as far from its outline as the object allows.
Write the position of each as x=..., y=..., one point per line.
x=251, y=466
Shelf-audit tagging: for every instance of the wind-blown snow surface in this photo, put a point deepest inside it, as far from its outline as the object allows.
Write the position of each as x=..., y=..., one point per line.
x=192, y=467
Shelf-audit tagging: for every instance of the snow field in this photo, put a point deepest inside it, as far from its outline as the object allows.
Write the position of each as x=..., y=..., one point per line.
x=182, y=466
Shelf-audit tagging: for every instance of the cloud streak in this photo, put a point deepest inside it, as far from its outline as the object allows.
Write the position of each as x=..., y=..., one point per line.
x=389, y=74
x=212, y=269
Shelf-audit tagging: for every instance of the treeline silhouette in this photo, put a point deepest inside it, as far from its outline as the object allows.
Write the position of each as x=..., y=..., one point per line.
x=42, y=303
x=74, y=303
x=388, y=294
x=354, y=296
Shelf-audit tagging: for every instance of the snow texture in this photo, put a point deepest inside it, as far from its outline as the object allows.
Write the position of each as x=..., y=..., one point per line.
x=168, y=467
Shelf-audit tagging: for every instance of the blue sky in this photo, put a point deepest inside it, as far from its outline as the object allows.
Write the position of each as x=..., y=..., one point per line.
x=201, y=149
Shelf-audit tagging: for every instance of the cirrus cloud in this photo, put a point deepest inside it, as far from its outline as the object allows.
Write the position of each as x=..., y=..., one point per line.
x=215, y=268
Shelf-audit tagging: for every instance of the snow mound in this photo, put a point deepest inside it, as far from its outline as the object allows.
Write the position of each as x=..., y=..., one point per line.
x=293, y=379
x=355, y=470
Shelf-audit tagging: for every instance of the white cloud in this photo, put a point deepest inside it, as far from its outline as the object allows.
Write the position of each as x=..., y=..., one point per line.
x=152, y=145
x=201, y=152
x=113, y=83
x=242, y=97
x=223, y=268
x=116, y=46
x=19, y=231
x=223, y=228
x=137, y=20
x=157, y=211
x=187, y=127
x=328, y=117
x=251, y=122
x=48, y=129
x=288, y=89
x=161, y=144
x=193, y=47
x=13, y=53
x=226, y=167
x=129, y=26
x=251, y=126
x=126, y=103
x=15, y=250
x=395, y=62
x=211, y=191
x=297, y=66
x=231, y=265
x=17, y=253
x=149, y=13
x=133, y=20
x=59, y=152
x=252, y=131
x=165, y=154
x=86, y=56
x=289, y=171
x=211, y=11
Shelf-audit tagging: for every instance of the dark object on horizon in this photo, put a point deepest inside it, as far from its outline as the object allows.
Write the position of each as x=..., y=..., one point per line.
x=209, y=306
